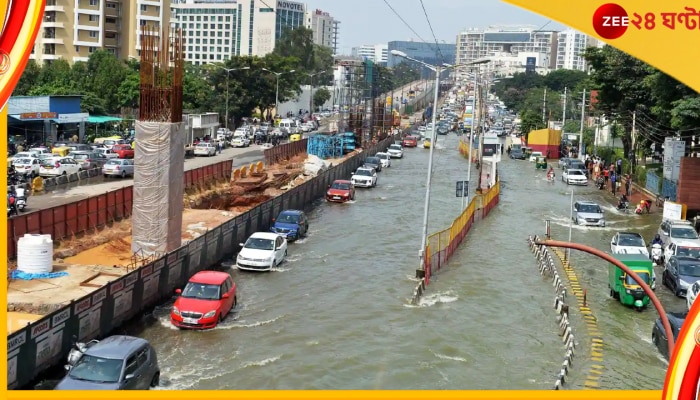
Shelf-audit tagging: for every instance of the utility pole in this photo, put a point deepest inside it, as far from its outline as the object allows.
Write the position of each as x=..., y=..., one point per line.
x=544, y=108
x=563, y=114
x=583, y=115
x=633, y=158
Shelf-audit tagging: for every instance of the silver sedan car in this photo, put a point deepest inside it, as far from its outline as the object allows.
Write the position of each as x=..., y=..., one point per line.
x=118, y=167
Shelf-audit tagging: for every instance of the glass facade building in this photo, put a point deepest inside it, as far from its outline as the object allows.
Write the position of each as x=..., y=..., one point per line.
x=290, y=14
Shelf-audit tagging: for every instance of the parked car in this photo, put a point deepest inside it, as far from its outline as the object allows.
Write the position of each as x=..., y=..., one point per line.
x=118, y=167
x=364, y=177
x=263, y=251
x=204, y=149
x=534, y=155
x=240, y=140
x=56, y=166
x=682, y=248
x=40, y=150
x=658, y=333
x=340, y=191
x=374, y=163
x=27, y=166
x=629, y=242
x=108, y=153
x=384, y=159
x=123, y=151
x=89, y=159
x=588, y=213
x=672, y=231
x=116, y=363
x=574, y=177
x=206, y=300
x=395, y=151
x=25, y=154
x=517, y=154
x=79, y=147
x=563, y=161
x=410, y=141
x=692, y=294
x=292, y=224
x=679, y=273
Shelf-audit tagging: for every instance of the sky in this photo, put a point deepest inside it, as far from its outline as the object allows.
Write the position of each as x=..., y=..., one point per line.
x=372, y=21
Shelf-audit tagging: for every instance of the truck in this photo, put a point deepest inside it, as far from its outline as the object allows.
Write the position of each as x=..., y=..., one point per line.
x=623, y=287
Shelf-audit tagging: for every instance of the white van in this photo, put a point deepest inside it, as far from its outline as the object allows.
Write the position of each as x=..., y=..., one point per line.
x=289, y=125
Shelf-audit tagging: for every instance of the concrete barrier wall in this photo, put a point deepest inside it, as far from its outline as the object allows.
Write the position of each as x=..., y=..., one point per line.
x=96, y=211
x=46, y=342
x=285, y=151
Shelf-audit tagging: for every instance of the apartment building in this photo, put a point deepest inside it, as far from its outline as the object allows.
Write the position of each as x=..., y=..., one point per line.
x=212, y=30
x=74, y=29
x=571, y=47
x=324, y=27
x=507, y=43
x=379, y=53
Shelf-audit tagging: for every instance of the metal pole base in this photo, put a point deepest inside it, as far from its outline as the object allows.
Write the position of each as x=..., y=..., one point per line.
x=420, y=273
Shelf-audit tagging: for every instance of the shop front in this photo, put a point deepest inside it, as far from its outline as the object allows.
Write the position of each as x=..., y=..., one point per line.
x=35, y=120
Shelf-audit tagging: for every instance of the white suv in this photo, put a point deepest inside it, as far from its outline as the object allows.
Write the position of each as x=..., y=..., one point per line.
x=364, y=177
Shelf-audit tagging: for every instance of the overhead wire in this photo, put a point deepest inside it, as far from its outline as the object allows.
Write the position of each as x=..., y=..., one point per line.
x=438, y=53
x=404, y=22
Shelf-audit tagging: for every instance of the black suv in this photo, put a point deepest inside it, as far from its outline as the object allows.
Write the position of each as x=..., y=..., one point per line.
x=374, y=163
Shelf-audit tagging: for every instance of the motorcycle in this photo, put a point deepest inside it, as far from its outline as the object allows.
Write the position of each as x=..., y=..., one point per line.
x=642, y=207
x=20, y=198
x=624, y=206
x=77, y=351
x=600, y=183
x=657, y=254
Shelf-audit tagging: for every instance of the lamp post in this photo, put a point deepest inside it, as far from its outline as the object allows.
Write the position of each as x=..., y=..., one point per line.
x=311, y=90
x=277, y=90
x=436, y=69
x=228, y=72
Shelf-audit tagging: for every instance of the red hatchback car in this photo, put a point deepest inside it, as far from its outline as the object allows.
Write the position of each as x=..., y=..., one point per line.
x=340, y=191
x=207, y=298
x=409, y=141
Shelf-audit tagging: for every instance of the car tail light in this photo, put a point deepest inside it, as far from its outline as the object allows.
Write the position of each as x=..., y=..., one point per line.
x=88, y=160
x=58, y=164
x=116, y=167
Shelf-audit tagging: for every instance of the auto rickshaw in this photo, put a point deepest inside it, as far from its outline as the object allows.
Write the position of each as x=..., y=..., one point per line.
x=294, y=137
x=527, y=151
x=623, y=287
x=541, y=163
x=60, y=151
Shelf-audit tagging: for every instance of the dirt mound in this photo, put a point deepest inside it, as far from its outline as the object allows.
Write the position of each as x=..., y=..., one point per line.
x=118, y=246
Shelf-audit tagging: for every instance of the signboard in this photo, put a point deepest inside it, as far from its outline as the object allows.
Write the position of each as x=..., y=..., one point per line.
x=38, y=115
x=73, y=118
x=462, y=188
x=489, y=149
x=290, y=6
x=530, y=64
x=674, y=150
x=673, y=211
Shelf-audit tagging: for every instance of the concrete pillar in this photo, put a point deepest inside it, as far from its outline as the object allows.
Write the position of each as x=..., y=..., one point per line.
x=81, y=131
x=158, y=187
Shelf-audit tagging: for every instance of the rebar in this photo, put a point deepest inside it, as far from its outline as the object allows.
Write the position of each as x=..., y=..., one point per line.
x=162, y=71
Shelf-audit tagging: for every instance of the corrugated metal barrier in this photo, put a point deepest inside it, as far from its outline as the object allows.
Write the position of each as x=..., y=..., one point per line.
x=285, y=151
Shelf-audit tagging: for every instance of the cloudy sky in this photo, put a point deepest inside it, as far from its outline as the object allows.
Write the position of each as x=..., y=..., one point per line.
x=373, y=22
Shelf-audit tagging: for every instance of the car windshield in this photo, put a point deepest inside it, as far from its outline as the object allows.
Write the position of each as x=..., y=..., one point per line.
x=372, y=160
x=630, y=281
x=260, y=244
x=23, y=161
x=394, y=147
x=288, y=218
x=97, y=369
x=340, y=185
x=688, y=252
x=201, y=291
x=203, y=145
x=114, y=162
x=383, y=156
x=363, y=172
x=80, y=156
x=684, y=233
x=575, y=172
x=49, y=162
x=689, y=269
x=589, y=208
x=631, y=241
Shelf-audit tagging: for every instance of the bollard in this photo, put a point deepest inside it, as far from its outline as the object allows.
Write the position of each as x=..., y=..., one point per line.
x=585, y=303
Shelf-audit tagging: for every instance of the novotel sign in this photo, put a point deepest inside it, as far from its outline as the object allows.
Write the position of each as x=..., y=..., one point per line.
x=290, y=5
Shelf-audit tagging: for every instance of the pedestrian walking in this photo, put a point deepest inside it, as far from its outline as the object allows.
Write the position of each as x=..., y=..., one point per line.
x=613, y=182
x=619, y=167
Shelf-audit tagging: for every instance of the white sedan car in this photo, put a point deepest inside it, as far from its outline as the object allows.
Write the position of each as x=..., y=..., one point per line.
x=534, y=155
x=364, y=177
x=27, y=166
x=204, y=149
x=692, y=294
x=395, y=151
x=263, y=251
x=385, y=159
x=57, y=166
x=628, y=243
x=574, y=177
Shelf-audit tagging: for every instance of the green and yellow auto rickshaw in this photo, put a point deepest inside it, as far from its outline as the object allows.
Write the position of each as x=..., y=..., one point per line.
x=541, y=163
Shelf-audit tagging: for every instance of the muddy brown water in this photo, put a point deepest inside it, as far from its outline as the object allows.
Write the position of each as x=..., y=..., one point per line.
x=336, y=315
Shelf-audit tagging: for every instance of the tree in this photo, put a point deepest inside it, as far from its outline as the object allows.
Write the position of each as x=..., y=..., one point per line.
x=404, y=73
x=105, y=75
x=29, y=79
x=129, y=91
x=564, y=78
x=321, y=96
x=312, y=58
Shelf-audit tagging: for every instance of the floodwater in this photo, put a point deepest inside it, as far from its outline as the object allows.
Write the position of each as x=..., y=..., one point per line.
x=337, y=314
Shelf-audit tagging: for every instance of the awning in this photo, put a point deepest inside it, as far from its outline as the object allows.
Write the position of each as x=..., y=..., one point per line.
x=94, y=119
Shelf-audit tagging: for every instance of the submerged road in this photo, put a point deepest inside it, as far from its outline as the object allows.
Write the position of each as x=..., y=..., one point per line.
x=336, y=315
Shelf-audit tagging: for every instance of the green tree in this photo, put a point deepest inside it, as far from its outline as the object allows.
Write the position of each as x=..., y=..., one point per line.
x=404, y=73
x=529, y=121
x=564, y=78
x=29, y=79
x=195, y=88
x=105, y=75
x=312, y=58
x=129, y=91
x=321, y=96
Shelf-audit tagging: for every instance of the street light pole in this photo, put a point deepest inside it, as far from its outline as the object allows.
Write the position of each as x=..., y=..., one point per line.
x=228, y=73
x=277, y=87
x=311, y=90
x=471, y=139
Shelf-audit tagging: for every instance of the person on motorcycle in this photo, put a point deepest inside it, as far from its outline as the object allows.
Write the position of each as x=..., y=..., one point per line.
x=11, y=203
x=550, y=173
x=624, y=202
x=657, y=240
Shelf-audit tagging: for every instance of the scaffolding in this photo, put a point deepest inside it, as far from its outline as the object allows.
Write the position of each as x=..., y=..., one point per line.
x=354, y=98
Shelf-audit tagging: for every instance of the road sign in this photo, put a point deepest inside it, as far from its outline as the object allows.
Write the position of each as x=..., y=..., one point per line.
x=462, y=188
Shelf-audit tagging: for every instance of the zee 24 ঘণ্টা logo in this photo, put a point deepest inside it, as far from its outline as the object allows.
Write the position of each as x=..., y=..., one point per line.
x=611, y=20
x=683, y=375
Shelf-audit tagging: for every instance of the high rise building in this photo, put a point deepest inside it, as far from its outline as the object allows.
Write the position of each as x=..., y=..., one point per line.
x=324, y=27
x=379, y=53
x=571, y=47
x=289, y=15
x=74, y=29
x=423, y=51
x=510, y=47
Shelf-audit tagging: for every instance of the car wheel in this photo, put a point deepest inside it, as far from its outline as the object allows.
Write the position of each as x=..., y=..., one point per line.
x=123, y=174
x=156, y=380
x=655, y=338
x=64, y=173
x=105, y=176
x=353, y=196
x=235, y=302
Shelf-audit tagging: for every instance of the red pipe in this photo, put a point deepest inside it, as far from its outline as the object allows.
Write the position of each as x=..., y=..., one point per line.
x=613, y=260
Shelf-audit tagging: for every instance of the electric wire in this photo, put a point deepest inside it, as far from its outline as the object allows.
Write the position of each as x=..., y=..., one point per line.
x=430, y=25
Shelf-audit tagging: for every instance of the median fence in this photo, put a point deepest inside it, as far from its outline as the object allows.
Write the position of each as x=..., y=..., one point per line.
x=46, y=342
x=284, y=152
x=441, y=245
x=96, y=211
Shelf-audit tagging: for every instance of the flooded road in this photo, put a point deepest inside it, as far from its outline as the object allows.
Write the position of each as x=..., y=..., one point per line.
x=336, y=315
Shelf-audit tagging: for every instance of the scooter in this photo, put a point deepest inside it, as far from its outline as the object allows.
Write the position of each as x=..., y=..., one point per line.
x=20, y=198
x=600, y=183
x=77, y=351
x=657, y=254
x=624, y=206
x=550, y=177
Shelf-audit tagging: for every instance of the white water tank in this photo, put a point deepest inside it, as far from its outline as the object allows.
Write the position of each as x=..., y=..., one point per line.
x=35, y=254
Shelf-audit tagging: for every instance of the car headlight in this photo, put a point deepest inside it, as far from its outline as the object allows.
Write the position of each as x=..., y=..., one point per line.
x=176, y=311
x=209, y=314
x=683, y=283
x=628, y=291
